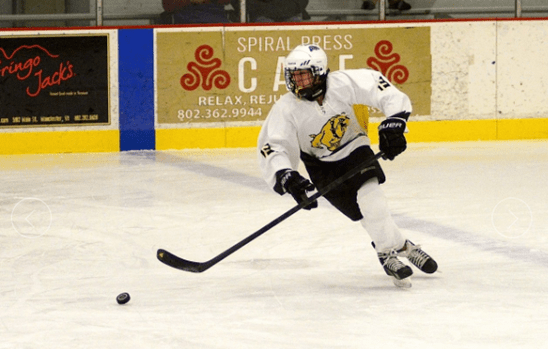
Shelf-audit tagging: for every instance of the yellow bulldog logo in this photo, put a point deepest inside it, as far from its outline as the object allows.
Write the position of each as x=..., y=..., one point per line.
x=332, y=133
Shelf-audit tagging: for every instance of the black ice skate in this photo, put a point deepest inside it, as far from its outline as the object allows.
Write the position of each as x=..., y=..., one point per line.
x=395, y=268
x=418, y=257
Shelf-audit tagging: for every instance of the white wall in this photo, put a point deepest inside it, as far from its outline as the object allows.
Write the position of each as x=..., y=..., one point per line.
x=522, y=74
x=463, y=73
x=485, y=70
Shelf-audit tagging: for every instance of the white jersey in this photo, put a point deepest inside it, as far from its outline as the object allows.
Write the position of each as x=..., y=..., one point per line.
x=329, y=132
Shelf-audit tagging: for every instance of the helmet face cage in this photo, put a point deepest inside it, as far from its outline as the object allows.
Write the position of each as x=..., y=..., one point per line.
x=313, y=59
x=290, y=78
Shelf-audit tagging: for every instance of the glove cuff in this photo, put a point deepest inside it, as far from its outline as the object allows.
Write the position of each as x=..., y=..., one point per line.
x=402, y=115
x=281, y=179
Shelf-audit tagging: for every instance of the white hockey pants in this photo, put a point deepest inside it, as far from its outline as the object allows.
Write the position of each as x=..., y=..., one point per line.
x=377, y=219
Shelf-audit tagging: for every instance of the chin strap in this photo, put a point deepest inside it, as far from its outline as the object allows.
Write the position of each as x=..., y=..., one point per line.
x=309, y=93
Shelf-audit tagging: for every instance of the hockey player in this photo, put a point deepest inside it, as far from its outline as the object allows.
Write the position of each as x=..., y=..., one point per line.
x=316, y=123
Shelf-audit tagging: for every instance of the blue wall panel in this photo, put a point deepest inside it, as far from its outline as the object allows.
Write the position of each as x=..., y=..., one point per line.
x=136, y=79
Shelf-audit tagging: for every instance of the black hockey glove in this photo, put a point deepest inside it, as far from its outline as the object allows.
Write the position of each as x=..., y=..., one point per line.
x=391, y=139
x=289, y=181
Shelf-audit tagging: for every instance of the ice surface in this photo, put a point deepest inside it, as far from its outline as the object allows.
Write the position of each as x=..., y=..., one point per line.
x=78, y=229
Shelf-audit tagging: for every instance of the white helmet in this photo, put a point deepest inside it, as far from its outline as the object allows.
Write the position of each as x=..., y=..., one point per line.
x=307, y=57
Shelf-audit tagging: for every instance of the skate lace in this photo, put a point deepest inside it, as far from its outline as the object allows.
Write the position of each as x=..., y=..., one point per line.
x=417, y=256
x=390, y=261
x=393, y=264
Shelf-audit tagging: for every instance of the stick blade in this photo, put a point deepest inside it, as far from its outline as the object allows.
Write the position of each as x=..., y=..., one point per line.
x=176, y=262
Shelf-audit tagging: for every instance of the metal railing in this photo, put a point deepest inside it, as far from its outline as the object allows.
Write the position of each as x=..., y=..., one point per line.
x=100, y=17
x=517, y=12
x=153, y=18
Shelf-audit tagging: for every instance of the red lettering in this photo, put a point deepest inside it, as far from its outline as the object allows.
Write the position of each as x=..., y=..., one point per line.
x=18, y=68
x=31, y=67
x=39, y=75
x=55, y=79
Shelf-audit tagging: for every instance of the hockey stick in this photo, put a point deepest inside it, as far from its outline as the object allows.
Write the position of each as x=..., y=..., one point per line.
x=172, y=260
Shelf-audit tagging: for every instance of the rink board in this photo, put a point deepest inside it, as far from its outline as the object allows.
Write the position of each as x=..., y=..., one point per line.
x=420, y=131
x=60, y=142
x=241, y=137
x=469, y=80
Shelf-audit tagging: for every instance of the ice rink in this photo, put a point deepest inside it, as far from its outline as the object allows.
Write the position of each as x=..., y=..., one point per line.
x=78, y=229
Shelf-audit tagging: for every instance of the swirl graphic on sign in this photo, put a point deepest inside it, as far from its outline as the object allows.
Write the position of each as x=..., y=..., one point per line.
x=205, y=71
x=386, y=63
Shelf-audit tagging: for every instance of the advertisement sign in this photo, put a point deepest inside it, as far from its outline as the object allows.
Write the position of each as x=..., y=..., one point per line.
x=236, y=74
x=54, y=80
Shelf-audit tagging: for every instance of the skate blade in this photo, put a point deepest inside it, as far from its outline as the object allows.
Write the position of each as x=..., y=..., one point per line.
x=403, y=283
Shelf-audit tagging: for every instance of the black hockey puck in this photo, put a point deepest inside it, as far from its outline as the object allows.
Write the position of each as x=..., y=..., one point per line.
x=123, y=298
